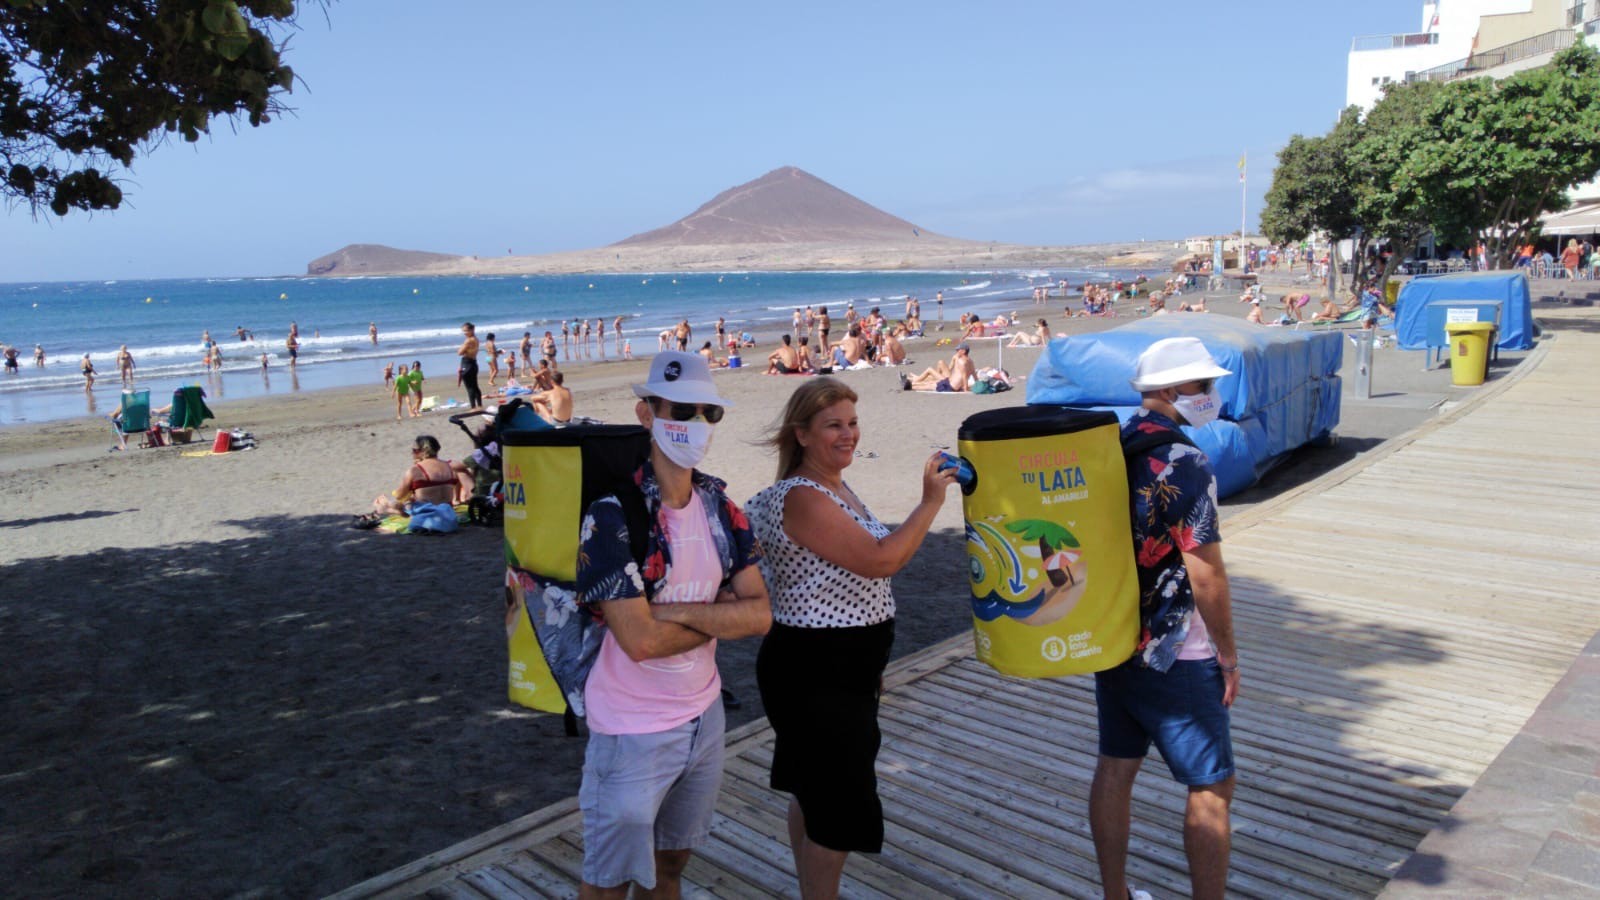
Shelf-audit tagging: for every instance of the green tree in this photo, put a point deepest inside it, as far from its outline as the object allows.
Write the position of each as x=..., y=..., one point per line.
x=1504, y=153
x=1394, y=202
x=86, y=85
x=1314, y=189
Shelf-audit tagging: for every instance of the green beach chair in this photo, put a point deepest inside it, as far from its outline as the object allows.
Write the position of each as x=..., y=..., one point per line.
x=189, y=412
x=134, y=418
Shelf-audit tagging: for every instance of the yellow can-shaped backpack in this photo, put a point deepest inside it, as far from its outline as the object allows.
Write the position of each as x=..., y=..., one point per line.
x=1049, y=544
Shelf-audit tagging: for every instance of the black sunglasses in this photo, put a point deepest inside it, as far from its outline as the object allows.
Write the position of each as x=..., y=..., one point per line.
x=683, y=412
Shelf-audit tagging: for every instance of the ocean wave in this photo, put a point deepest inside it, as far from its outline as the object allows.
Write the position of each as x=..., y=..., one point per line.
x=970, y=287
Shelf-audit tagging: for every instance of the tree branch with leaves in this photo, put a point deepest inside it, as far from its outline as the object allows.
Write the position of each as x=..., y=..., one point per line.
x=87, y=85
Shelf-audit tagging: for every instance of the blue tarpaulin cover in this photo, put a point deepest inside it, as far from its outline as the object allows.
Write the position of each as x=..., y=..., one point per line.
x=1510, y=288
x=1284, y=390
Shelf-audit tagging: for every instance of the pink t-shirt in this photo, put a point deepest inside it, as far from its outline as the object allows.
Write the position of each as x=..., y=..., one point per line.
x=627, y=697
x=1197, y=643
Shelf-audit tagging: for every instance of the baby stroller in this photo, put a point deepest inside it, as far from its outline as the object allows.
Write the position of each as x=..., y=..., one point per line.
x=486, y=506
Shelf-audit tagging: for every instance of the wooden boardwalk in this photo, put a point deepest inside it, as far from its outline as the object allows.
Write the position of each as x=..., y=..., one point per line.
x=1399, y=619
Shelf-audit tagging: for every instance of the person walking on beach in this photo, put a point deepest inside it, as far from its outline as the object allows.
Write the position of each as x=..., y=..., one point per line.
x=722, y=334
x=566, y=341
x=683, y=333
x=38, y=356
x=821, y=665
x=125, y=365
x=292, y=344
x=87, y=367
x=416, y=389
x=1177, y=688
x=653, y=700
x=402, y=391
x=938, y=298
x=824, y=349
x=547, y=349
x=388, y=376
x=526, y=348
x=491, y=353
x=468, y=372
x=216, y=357
x=11, y=354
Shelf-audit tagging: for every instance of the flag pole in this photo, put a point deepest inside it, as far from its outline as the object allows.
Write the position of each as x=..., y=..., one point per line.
x=1243, y=205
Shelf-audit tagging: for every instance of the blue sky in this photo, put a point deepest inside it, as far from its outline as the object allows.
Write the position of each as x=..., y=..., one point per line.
x=483, y=127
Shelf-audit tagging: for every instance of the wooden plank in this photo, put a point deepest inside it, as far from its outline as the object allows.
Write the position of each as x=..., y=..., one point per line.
x=1024, y=724
x=497, y=885
x=907, y=874
x=1394, y=729
x=1247, y=821
x=915, y=837
x=543, y=878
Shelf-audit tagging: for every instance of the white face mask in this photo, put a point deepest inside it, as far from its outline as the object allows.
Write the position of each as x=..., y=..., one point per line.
x=685, y=443
x=1198, y=409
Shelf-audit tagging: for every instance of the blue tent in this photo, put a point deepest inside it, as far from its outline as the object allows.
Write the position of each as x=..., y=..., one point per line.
x=1284, y=390
x=1424, y=300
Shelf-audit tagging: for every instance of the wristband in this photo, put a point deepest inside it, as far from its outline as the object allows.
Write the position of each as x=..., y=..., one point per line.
x=1229, y=670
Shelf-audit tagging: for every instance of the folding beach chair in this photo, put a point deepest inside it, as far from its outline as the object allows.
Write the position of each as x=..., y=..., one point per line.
x=134, y=418
x=189, y=412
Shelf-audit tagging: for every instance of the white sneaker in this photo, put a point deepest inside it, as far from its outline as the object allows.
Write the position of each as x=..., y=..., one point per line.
x=1134, y=894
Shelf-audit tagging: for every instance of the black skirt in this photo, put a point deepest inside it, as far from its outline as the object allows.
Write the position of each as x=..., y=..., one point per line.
x=820, y=689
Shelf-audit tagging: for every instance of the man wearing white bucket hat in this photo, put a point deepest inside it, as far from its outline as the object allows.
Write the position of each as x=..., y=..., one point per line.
x=654, y=698
x=1176, y=689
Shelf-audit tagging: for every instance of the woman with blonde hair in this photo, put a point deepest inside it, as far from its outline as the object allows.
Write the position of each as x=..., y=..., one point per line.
x=827, y=568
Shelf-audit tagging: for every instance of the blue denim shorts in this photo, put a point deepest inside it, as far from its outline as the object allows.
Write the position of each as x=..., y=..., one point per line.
x=1180, y=711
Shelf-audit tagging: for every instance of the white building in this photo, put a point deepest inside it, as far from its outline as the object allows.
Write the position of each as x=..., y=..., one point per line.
x=1465, y=38
x=1468, y=39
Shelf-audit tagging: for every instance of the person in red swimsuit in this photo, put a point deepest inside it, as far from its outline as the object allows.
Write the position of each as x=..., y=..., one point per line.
x=429, y=479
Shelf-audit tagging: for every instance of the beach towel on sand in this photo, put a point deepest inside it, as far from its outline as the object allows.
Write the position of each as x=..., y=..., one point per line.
x=412, y=525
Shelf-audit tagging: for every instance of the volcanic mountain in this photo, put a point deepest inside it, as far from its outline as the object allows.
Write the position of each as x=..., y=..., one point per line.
x=784, y=206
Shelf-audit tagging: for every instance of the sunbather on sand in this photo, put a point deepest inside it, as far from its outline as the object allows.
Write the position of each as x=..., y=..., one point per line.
x=851, y=350
x=1329, y=312
x=808, y=363
x=428, y=479
x=1038, y=337
x=785, y=360
x=712, y=359
x=893, y=352
x=555, y=405
x=943, y=379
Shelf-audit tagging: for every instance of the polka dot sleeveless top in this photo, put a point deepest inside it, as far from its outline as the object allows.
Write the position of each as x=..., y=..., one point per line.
x=807, y=591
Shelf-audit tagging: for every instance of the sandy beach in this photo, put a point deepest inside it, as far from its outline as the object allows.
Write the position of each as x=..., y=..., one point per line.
x=218, y=688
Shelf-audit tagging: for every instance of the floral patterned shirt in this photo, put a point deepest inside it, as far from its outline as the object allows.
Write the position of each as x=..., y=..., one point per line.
x=1174, y=506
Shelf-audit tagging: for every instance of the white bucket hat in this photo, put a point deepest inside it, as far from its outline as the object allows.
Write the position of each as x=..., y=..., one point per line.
x=680, y=378
x=1170, y=362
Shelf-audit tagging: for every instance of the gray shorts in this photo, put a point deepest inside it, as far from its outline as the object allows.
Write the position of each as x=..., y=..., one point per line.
x=647, y=792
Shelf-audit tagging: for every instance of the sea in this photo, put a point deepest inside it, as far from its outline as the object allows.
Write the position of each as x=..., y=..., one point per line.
x=164, y=323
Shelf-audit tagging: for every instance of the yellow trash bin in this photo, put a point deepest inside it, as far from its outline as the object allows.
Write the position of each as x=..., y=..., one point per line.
x=1469, y=352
